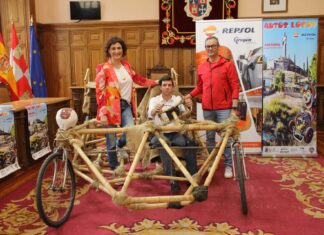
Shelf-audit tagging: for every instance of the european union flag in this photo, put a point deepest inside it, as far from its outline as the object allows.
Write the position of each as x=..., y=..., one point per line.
x=36, y=68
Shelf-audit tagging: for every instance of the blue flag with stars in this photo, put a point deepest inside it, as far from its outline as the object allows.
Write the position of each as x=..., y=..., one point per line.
x=36, y=69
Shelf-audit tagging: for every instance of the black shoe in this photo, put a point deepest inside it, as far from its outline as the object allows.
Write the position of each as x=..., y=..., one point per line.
x=175, y=187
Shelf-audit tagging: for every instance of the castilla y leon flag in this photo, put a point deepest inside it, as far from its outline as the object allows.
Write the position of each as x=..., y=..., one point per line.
x=20, y=68
x=6, y=73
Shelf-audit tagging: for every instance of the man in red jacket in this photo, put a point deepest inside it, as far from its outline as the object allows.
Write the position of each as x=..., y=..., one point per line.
x=218, y=83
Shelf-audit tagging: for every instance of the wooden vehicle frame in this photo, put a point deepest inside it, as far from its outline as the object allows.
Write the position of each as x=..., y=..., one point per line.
x=76, y=154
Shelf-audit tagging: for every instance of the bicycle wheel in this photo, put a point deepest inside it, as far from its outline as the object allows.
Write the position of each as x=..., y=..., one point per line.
x=55, y=190
x=241, y=178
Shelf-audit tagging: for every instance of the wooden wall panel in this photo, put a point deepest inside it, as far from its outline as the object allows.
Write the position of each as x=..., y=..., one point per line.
x=108, y=33
x=18, y=11
x=150, y=57
x=61, y=38
x=79, y=64
x=133, y=57
x=95, y=56
x=59, y=86
x=320, y=57
x=132, y=37
x=45, y=45
x=151, y=37
x=187, y=56
x=320, y=108
x=320, y=67
x=95, y=37
x=78, y=38
x=170, y=59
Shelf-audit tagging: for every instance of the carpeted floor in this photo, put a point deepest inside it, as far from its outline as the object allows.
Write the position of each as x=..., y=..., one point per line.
x=285, y=196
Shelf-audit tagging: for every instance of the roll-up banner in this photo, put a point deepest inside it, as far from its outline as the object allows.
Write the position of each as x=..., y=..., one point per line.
x=289, y=87
x=241, y=41
x=38, y=130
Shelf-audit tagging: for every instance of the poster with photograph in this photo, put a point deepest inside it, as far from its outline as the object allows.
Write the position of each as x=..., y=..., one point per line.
x=38, y=130
x=8, y=147
x=289, y=94
x=240, y=41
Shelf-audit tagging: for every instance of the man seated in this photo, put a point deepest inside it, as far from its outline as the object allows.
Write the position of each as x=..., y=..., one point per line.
x=167, y=99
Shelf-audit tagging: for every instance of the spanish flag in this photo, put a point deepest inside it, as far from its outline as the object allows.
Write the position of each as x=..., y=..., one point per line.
x=6, y=72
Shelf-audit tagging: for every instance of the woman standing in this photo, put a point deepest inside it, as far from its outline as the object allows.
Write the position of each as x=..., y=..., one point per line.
x=115, y=93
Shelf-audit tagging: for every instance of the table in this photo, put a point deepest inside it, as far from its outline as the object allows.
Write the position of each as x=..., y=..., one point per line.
x=21, y=124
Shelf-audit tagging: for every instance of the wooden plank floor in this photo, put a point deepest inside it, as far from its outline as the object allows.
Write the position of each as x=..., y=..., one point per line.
x=15, y=180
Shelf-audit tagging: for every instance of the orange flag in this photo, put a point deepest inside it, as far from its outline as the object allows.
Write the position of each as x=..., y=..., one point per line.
x=6, y=74
x=20, y=68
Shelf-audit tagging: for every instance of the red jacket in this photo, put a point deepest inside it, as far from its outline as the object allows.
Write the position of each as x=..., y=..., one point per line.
x=108, y=94
x=218, y=83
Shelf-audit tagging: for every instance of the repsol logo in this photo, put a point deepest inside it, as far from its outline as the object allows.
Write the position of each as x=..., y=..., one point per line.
x=238, y=40
x=238, y=30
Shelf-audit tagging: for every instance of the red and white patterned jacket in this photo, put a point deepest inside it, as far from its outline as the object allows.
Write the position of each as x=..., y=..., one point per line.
x=108, y=94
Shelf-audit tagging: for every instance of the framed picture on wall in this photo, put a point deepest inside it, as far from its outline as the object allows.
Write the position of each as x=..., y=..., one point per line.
x=274, y=6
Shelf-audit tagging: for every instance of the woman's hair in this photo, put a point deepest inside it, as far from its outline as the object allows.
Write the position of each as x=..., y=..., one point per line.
x=114, y=40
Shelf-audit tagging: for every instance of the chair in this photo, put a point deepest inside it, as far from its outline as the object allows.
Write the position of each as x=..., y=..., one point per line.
x=4, y=93
x=157, y=72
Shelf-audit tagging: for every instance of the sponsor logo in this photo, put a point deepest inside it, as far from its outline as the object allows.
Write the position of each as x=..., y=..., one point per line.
x=272, y=44
x=238, y=30
x=3, y=113
x=311, y=149
x=308, y=34
x=238, y=40
x=210, y=30
x=296, y=35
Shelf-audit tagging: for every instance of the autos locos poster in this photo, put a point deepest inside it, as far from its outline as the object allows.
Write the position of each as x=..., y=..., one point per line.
x=289, y=92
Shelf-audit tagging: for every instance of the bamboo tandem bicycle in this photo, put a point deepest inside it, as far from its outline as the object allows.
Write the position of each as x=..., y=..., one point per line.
x=76, y=153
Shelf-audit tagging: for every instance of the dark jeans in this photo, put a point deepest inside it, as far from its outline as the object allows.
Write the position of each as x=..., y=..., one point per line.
x=177, y=139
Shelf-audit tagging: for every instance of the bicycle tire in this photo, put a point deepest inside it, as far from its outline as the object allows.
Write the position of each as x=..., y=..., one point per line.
x=49, y=195
x=241, y=179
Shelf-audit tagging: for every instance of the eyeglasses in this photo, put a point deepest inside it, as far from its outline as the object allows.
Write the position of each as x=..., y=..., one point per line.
x=211, y=46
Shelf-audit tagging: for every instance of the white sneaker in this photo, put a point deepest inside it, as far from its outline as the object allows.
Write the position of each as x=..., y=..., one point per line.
x=228, y=172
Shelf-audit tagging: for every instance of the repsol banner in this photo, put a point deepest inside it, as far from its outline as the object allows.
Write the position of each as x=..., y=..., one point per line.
x=8, y=147
x=289, y=93
x=38, y=130
x=241, y=42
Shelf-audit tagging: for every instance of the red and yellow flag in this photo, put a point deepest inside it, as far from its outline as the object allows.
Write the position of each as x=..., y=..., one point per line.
x=20, y=68
x=6, y=73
